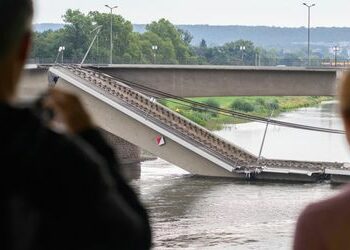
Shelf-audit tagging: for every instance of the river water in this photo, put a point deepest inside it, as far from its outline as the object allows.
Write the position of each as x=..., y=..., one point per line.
x=203, y=213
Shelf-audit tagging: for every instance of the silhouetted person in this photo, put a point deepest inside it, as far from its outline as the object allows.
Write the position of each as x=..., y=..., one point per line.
x=326, y=224
x=57, y=191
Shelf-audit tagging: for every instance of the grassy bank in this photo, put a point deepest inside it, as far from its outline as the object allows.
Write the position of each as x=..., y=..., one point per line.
x=261, y=106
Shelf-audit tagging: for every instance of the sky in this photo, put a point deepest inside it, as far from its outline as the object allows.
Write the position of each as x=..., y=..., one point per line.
x=282, y=13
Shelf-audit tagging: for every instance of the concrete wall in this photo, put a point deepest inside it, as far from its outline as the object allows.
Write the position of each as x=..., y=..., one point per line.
x=208, y=81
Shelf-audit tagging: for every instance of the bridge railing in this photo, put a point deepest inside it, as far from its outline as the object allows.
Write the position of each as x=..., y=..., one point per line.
x=264, y=62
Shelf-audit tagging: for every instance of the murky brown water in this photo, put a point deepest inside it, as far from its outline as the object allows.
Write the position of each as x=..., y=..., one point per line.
x=198, y=213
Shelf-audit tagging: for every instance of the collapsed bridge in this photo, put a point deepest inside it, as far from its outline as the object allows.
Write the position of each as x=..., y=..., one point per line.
x=138, y=118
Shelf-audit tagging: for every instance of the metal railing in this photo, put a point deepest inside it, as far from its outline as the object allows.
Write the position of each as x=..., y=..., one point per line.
x=264, y=62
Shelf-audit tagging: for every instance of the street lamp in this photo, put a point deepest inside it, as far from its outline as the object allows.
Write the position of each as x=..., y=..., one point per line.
x=309, y=6
x=111, y=8
x=155, y=48
x=257, y=57
x=61, y=50
x=336, y=49
x=242, y=49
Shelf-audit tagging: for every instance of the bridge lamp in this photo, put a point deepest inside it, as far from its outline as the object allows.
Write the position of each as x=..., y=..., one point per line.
x=111, y=9
x=336, y=49
x=242, y=49
x=155, y=48
x=309, y=6
x=61, y=50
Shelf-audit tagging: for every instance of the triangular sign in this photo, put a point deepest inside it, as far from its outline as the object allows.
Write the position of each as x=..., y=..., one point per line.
x=160, y=140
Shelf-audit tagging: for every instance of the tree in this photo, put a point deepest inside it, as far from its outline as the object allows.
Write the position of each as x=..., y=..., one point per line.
x=203, y=44
x=123, y=37
x=76, y=33
x=168, y=32
x=46, y=44
x=128, y=46
x=186, y=36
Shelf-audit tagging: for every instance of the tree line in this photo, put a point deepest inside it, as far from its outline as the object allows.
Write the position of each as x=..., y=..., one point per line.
x=161, y=43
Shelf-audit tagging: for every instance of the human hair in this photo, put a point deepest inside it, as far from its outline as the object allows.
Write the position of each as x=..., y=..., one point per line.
x=15, y=21
x=345, y=96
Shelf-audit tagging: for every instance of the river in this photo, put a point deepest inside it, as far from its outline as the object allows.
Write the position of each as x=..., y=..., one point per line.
x=190, y=212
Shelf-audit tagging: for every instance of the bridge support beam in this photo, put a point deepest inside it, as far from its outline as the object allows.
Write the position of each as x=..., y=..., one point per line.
x=209, y=81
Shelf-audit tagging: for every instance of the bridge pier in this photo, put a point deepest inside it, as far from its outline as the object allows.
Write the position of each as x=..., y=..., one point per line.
x=128, y=154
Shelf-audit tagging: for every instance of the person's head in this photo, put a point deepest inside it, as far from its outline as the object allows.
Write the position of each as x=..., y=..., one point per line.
x=15, y=27
x=345, y=104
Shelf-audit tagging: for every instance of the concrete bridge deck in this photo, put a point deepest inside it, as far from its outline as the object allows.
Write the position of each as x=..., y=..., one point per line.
x=132, y=116
x=208, y=81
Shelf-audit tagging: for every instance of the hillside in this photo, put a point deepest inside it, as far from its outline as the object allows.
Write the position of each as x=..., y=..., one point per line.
x=41, y=27
x=265, y=36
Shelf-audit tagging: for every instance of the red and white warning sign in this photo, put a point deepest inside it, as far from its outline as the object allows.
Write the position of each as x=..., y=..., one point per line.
x=160, y=140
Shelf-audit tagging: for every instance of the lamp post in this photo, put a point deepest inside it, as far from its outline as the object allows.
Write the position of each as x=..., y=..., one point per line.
x=155, y=48
x=242, y=49
x=111, y=8
x=336, y=49
x=257, y=57
x=309, y=6
x=62, y=49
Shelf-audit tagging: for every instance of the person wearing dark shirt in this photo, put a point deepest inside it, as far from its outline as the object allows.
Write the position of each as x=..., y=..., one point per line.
x=58, y=191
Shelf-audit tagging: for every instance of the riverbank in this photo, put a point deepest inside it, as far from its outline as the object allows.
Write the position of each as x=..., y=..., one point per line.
x=260, y=106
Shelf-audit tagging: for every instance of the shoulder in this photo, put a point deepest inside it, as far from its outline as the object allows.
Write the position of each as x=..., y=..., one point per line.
x=335, y=204
x=329, y=212
x=318, y=225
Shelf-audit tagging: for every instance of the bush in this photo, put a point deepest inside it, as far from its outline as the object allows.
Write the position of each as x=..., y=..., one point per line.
x=260, y=101
x=242, y=105
x=273, y=105
x=212, y=102
x=197, y=117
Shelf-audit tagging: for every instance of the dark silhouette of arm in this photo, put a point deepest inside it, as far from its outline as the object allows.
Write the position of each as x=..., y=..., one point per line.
x=81, y=195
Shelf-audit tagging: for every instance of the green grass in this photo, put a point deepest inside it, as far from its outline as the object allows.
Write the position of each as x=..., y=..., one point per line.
x=262, y=106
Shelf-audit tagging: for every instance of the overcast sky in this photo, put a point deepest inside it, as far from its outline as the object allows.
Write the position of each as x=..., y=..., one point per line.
x=290, y=13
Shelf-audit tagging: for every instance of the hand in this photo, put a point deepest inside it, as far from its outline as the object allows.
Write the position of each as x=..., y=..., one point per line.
x=68, y=110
